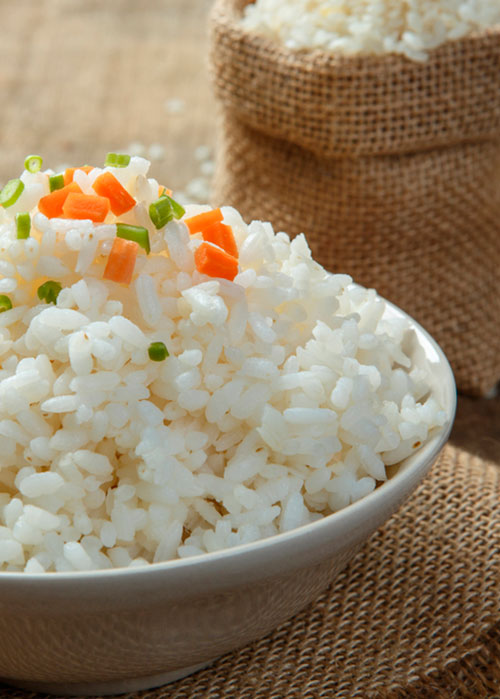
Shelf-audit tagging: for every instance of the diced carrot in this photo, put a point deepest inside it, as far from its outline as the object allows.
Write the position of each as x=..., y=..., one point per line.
x=197, y=224
x=70, y=171
x=121, y=261
x=68, y=175
x=120, y=201
x=222, y=235
x=86, y=206
x=215, y=262
x=52, y=205
x=164, y=190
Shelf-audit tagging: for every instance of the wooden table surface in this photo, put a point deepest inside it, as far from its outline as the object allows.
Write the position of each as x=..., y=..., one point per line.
x=79, y=78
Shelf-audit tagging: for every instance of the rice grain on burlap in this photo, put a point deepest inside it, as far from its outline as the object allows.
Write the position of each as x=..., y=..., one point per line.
x=390, y=167
x=414, y=610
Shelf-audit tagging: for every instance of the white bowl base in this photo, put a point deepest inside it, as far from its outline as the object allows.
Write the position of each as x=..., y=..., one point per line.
x=84, y=689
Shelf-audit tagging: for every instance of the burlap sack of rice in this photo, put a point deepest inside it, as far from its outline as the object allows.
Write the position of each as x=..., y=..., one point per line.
x=390, y=167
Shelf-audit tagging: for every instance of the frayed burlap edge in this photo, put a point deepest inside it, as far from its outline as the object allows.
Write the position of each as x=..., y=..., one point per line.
x=476, y=675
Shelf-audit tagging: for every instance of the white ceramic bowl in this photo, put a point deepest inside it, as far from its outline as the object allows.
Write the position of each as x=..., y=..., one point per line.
x=120, y=630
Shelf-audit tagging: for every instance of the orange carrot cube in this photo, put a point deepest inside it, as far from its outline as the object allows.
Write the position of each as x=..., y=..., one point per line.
x=120, y=201
x=83, y=206
x=214, y=262
x=121, y=261
x=52, y=204
x=70, y=171
x=222, y=235
x=198, y=223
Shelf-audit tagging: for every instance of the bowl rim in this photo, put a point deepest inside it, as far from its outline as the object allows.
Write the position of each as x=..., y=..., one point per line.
x=414, y=469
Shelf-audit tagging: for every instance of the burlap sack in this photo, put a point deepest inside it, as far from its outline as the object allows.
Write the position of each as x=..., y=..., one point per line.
x=390, y=167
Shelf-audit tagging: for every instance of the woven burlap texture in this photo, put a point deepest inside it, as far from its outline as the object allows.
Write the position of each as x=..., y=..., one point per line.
x=415, y=601
x=390, y=167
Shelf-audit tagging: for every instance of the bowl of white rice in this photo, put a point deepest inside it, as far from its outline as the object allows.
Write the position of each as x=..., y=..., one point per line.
x=199, y=426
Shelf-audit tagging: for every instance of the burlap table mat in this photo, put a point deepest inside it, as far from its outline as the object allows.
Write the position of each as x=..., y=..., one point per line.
x=414, y=611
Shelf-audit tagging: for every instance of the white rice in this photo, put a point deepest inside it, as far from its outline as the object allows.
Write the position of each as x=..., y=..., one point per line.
x=409, y=27
x=285, y=395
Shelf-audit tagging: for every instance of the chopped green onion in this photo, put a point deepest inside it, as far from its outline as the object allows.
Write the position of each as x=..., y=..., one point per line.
x=11, y=192
x=117, y=160
x=33, y=163
x=6, y=303
x=161, y=212
x=23, y=226
x=158, y=351
x=178, y=210
x=49, y=292
x=138, y=234
x=56, y=182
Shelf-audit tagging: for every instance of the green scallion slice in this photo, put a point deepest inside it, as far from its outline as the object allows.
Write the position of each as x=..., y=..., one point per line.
x=178, y=210
x=138, y=234
x=33, y=163
x=6, y=303
x=161, y=212
x=157, y=351
x=117, y=160
x=56, y=182
x=11, y=192
x=49, y=292
x=23, y=226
